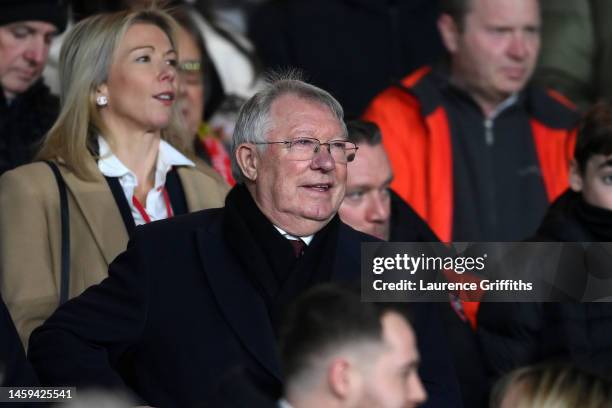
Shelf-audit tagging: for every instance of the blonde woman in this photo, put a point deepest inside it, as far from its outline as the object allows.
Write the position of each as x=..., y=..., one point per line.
x=551, y=385
x=113, y=144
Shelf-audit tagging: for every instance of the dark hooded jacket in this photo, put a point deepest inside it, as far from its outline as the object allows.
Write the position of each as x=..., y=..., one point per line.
x=515, y=334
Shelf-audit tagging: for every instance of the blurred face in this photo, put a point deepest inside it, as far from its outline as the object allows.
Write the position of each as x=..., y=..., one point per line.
x=191, y=86
x=141, y=85
x=394, y=381
x=495, y=55
x=367, y=204
x=299, y=196
x=24, y=48
x=596, y=182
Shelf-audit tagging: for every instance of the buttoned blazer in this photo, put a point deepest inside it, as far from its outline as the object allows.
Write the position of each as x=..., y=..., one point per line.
x=30, y=234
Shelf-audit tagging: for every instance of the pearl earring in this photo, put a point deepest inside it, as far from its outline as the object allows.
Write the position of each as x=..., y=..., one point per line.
x=102, y=101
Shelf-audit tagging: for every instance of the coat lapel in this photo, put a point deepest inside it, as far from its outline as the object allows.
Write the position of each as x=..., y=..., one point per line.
x=95, y=201
x=241, y=306
x=201, y=190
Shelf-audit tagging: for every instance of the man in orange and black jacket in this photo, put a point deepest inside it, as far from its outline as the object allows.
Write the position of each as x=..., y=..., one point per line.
x=476, y=151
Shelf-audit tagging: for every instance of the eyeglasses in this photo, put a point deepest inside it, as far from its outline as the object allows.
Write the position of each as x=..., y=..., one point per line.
x=305, y=148
x=191, y=72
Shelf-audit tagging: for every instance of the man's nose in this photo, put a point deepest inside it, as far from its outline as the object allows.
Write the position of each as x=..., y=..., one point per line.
x=37, y=51
x=323, y=159
x=518, y=48
x=415, y=391
x=378, y=208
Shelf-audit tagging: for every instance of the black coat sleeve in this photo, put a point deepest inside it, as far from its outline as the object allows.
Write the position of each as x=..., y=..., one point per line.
x=15, y=370
x=85, y=340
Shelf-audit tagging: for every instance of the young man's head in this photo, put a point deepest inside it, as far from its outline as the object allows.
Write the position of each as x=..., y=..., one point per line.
x=591, y=169
x=26, y=30
x=493, y=46
x=367, y=202
x=339, y=352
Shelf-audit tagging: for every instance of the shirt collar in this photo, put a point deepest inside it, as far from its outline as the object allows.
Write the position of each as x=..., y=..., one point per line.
x=109, y=164
x=168, y=156
x=287, y=235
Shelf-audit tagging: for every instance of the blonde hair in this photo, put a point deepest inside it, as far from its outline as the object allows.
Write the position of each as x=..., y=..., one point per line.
x=85, y=60
x=553, y=386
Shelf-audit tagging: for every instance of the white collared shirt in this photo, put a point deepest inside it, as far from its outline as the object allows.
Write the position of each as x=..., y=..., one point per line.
x=155, y=205
x=287, y=235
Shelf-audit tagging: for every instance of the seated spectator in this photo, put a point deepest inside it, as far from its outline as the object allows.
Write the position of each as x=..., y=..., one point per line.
x=513, y=335
x=15, y=370
x=339, y=352
x=195, y=298
x=27, y=108
x=551, y=385
x=584, y=212
x=370, y=205
x=113, y=146
x=477, y=151
x=193, y=68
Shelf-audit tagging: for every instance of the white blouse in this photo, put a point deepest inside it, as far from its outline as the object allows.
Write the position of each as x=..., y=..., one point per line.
x=155, y=205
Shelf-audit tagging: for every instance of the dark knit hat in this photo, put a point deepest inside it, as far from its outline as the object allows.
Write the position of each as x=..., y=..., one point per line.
x=50, y=11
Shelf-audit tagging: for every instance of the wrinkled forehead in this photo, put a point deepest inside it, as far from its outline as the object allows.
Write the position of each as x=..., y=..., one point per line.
x=298, y=116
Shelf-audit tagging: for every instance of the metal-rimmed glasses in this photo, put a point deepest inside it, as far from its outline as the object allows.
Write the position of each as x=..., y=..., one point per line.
x=305, y=148
x=190, y=72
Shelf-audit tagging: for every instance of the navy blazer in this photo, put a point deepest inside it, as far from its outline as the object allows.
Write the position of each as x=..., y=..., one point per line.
x=175, y=315
x=177, y=319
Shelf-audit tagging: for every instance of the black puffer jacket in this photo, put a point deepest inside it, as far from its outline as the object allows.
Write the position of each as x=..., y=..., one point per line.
x=516, y=334
x=23, y=124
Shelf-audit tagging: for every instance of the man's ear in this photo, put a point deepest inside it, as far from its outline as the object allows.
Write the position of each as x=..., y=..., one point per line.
x=449, y=31
x=575, y=178
x=340, y=378
x=247, y=157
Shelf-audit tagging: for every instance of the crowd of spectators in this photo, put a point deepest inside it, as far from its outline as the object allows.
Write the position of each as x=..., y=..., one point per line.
x=183, y=199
